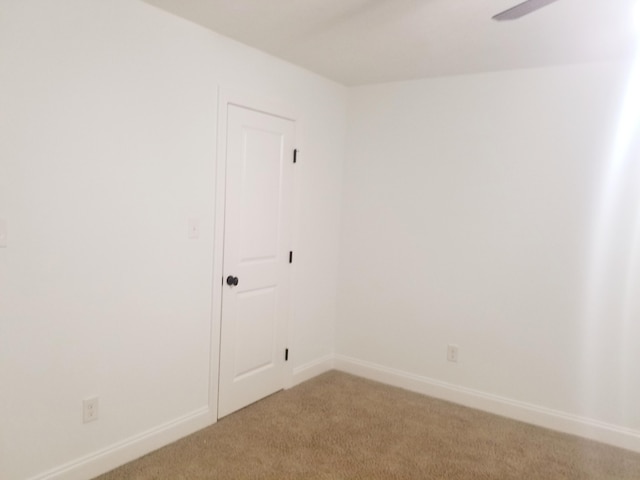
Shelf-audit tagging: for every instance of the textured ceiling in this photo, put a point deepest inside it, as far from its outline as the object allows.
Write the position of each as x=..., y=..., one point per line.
x=358, y=42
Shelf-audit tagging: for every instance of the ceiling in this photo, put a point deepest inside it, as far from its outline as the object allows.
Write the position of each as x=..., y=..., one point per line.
x=357, y=42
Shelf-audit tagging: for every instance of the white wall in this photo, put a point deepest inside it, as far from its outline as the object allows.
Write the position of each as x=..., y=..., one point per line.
x=476, y=213
x=107, y=145
x=470, y=207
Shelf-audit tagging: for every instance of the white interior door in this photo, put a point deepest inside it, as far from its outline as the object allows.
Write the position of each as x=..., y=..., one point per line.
x=256, y=270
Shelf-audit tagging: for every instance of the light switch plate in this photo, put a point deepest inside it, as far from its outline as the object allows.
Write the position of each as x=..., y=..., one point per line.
x=3, y=233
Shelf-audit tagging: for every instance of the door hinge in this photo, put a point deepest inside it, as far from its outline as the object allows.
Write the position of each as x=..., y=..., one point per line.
x=286, y=354
x=290, y=257
x=295, y=155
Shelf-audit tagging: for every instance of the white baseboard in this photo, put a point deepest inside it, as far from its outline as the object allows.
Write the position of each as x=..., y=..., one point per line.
x=134, y=447
x=524, y=412
x=312, y=369
x=130, y=449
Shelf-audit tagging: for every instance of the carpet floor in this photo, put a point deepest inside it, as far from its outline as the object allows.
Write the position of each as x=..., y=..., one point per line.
x=337, y=426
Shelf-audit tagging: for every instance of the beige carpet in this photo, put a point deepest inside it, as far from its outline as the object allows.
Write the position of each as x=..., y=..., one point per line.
x=337, y=426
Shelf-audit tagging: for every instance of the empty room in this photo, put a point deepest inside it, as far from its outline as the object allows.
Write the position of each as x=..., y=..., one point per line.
x=319, y=239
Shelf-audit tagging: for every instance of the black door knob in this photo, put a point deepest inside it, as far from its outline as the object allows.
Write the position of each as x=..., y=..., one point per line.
x=232, y=281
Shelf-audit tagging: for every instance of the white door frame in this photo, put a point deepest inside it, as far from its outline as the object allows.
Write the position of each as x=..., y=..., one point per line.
x=228, y=97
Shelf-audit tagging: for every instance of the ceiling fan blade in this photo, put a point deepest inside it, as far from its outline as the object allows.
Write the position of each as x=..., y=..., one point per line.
x=522, y=9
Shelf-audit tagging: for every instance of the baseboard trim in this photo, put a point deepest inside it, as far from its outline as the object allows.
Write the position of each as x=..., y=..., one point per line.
x=130, y=449
x=524, y=412
x=312, y=369
x=136, y=446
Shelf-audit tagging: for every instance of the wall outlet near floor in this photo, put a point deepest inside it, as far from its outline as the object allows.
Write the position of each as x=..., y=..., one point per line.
x=452, y=353
x=89, y=409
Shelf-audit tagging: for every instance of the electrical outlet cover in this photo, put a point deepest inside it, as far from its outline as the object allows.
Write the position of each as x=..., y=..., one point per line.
x=90, y=409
